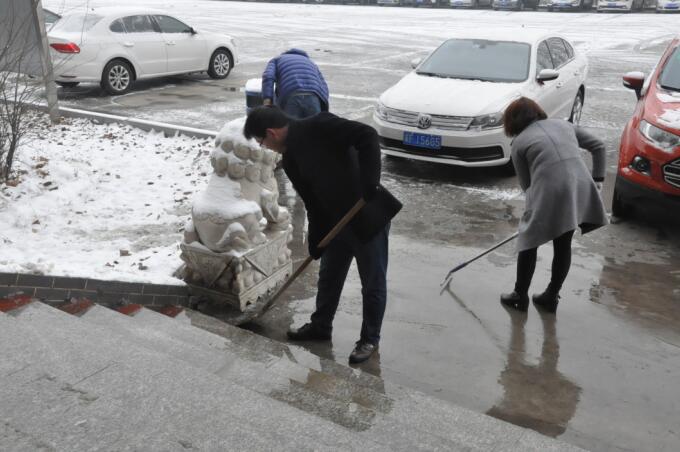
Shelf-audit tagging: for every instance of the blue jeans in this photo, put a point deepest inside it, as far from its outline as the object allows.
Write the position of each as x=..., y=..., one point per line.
x=372, y=264
x=302, y=105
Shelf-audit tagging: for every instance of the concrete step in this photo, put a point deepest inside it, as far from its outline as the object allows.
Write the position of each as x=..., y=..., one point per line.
x=407, y=406
x=76, y=386
x=290, y=383
x=410, y=421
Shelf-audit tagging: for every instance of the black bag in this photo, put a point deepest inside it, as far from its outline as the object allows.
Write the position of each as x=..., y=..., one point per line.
x=375, y=215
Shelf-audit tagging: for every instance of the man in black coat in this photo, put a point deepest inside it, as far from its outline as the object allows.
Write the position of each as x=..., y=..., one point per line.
x=332, y=163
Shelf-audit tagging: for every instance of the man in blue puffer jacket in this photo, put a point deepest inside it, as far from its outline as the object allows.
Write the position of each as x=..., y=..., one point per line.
x=301, y=90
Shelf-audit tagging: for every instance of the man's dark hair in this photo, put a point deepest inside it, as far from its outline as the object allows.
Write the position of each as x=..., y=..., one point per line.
x=520, y=114
x=262, y=118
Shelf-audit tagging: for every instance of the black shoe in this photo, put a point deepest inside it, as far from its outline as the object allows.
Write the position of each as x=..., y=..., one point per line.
x=515, y=301
x=309, y=332
x=547, y=301
x=362, y=351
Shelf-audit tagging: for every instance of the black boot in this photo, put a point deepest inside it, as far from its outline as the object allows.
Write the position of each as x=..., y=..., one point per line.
x=547, y=301
x=515, y=301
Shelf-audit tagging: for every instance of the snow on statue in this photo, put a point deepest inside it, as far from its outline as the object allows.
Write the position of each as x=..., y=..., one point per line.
x=236, y=245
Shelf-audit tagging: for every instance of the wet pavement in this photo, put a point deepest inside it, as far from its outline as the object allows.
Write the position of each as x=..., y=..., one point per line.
x=603, y=372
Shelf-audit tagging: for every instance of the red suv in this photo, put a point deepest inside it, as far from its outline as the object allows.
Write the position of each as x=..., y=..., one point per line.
x=649, y=155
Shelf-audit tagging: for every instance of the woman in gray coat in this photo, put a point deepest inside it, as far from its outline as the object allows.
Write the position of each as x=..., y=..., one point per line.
x=561, y=194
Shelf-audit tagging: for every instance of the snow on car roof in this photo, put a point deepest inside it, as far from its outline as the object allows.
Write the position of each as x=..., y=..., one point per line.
x=119, y=12
x=514, y=34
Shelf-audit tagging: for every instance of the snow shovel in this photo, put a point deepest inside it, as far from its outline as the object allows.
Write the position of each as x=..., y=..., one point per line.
x=464, y=264
x=326, y=240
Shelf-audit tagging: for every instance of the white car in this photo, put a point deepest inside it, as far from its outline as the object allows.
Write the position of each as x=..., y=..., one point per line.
x=667, y=5
x=450, y=108
x=620, y=5
x=470, y=3
x=116, y=46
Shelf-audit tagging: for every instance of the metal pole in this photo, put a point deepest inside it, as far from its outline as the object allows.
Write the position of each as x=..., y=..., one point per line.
x=45, y=60
x=464, y=264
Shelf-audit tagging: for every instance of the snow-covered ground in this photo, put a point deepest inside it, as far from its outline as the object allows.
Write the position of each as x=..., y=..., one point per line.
x=100, y=201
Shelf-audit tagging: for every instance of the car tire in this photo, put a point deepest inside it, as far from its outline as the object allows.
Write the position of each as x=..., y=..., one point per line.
x=220, y=64
x=576, y=109
x=520, y=5
x=68, y=84
x=619, y=208
x=117, y=77
x=550, y=9
x=508, y=170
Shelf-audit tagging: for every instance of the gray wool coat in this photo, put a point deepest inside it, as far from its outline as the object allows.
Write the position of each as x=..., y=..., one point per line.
x=561, y=194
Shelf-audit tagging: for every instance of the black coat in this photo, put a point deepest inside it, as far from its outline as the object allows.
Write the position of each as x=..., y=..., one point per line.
x=332, y=162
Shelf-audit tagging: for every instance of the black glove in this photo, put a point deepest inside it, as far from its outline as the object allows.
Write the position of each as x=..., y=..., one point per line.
x=315, y=252
x=368, y=192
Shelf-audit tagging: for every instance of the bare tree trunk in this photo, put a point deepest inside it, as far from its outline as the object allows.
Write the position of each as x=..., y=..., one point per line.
x=20, y=62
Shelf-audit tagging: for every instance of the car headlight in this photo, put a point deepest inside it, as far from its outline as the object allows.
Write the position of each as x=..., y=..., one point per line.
x=381, y=111
x=484, y=122
x=663, y=140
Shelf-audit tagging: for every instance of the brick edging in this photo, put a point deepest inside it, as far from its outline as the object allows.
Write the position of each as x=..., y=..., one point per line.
x=60, y=288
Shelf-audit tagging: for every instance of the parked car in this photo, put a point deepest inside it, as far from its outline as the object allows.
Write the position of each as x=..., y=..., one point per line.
x=515, y=4
x=649, y=153
x=566, y=5
x=450, y=108
x=470, y=3
x=620, y=5
x=667, y=6
x=50, y=18
x=116, y=46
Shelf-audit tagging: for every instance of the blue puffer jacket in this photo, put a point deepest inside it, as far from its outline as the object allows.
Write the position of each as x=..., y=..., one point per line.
x=293, y=71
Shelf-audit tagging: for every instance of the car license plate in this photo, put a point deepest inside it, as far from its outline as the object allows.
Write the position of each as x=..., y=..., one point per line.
x=612, y=5
x=423, y=140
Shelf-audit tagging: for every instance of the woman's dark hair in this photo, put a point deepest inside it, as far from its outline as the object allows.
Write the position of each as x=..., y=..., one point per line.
x=262, y=118
x=520, y=114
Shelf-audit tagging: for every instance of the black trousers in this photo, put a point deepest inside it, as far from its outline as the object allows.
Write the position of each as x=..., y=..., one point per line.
x=526, y=264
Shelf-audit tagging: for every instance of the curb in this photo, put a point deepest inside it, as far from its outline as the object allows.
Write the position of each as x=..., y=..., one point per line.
x=168, y=129
x=60, y=288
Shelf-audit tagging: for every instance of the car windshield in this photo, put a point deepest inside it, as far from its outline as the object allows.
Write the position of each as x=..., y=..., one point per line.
x=76, y=23
x=670, y=77
x=479, y=59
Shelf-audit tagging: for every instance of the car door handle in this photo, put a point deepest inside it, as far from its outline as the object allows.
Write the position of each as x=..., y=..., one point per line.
x=559, y=85
x=171, y=43
x=129, y=44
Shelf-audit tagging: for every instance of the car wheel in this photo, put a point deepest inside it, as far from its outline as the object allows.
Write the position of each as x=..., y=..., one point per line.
x=68, y=84
x=520, y=5
x=508, y=170
x=619, y=208
x=577, y=109
x=117, y=77
x=220, y=64
x=550, y=9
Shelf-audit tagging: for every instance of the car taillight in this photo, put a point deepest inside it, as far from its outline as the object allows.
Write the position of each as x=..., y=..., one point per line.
x=69, y=47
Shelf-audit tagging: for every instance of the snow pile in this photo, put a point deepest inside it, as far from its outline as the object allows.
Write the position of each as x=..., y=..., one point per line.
x=99, y=201
x=222, y=198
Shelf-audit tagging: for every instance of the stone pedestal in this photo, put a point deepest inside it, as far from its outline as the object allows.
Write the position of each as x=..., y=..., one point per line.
x=235, y=246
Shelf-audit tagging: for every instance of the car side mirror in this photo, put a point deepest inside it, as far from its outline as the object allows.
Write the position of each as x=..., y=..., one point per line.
x=634, y=80
x=415, y=62
x=192, y=31
x=547, y=75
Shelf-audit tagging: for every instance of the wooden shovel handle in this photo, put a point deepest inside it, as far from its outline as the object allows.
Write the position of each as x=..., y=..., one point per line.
x=326, y=240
